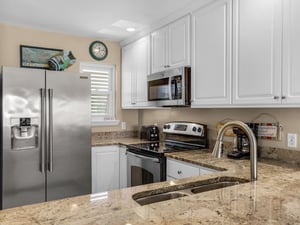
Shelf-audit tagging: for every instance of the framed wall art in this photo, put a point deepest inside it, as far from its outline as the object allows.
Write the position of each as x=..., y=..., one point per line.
x=37, y=57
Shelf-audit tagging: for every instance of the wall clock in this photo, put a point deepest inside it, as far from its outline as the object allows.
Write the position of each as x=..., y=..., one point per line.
x=98, y=50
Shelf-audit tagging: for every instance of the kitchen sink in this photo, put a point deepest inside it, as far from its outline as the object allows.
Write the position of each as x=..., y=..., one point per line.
x=178, y=191
x=213, y=186
x=160, y=197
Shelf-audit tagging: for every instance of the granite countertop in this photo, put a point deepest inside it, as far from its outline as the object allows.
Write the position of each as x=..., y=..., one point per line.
x=272, y=199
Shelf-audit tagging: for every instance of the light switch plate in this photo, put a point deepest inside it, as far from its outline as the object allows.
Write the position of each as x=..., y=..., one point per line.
x=292, y=140
x=123, y=124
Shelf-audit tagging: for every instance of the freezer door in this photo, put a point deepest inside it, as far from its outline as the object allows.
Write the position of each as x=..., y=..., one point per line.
x=23, y=181
x=69, y=132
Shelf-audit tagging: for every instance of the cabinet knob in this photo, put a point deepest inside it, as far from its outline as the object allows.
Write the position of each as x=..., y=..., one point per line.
x=179, y=172
x=276, y=97
x=166, y=66
x=283, y=97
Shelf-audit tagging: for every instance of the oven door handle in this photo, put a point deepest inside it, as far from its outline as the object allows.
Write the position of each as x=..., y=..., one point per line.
x=143, y=157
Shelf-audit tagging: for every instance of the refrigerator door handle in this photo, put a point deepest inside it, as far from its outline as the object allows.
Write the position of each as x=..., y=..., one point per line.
x=42, y=133
x=50, y=140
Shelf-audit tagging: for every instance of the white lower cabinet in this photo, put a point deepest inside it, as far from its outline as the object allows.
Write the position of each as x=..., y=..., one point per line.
x=105, y=168
x=177, y=169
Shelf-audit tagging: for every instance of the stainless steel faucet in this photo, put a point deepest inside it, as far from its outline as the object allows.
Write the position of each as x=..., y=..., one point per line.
x=218, y=148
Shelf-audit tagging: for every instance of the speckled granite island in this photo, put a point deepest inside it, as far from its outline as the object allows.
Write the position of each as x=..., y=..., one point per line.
x=273, y=199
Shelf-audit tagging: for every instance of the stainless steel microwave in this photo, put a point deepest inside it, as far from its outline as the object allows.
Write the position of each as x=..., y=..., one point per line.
x=171, y=87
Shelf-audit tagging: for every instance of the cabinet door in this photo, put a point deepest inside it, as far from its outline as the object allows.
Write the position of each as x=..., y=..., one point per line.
x=159, y=50
x=105, y=168
x=170, y=45
x=291, y=52
x=135, y=68
x=179, y=43
x=211, y=54
x=127, y=67
x=142, y=69
x=257, y=33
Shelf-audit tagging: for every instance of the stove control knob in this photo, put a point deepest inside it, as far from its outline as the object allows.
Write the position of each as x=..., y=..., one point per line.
x=165, y=126
x=194, y=129
x=199, y=130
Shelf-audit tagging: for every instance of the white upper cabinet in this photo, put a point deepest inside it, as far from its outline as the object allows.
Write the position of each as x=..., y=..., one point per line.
x=245, y=53
x=170, y=45
x=291, y=53
x=257, y=43
x=179, y=43
x=135, y=68
x=159, y=50
x=211, y=54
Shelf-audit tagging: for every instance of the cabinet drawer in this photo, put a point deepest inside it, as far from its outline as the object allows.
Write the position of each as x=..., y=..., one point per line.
x=181, y=169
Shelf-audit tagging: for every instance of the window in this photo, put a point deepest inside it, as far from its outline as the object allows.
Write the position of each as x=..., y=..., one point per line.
x=102, y=93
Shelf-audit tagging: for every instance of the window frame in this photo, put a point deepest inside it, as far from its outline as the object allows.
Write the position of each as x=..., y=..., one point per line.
x=89, y=68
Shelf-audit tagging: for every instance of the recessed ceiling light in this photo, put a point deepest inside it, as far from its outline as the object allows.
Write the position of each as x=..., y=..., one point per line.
x=125, y=24
x=130, y=29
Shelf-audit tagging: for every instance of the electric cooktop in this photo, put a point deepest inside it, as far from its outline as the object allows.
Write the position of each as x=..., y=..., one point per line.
x=178, y=136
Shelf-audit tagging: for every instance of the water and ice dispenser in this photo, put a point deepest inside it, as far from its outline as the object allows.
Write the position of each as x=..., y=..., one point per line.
x=24, y=133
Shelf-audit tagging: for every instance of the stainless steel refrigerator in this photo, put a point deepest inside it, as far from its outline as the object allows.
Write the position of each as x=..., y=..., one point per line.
x=45, y=135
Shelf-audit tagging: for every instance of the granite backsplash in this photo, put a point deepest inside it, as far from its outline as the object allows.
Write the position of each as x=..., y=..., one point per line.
x=99, y=136
x=278, y=154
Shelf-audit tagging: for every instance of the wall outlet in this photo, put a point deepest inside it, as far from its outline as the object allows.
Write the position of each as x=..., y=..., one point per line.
x=292, y=140
x=123, y=125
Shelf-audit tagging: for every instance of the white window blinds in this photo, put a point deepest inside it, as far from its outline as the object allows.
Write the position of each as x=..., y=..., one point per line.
x=102, y=91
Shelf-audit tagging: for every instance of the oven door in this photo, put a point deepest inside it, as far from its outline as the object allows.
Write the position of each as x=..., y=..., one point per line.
x=143, y=169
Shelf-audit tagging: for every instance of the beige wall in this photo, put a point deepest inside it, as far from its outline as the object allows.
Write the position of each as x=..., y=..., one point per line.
x=11, y=37
x=288, y=118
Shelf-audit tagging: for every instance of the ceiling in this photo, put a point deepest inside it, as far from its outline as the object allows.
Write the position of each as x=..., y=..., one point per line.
x=106, y=19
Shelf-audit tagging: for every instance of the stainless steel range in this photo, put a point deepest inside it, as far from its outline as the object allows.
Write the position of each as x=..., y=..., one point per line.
x=146, y=162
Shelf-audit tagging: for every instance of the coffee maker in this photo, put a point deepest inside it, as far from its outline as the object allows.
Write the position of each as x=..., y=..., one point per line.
x=241, y=145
